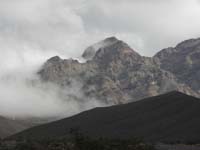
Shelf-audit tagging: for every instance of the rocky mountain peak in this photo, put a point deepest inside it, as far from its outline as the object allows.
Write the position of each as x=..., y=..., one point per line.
x=90, y=52
x=183, y=61
x=54, y=59
x=115, y=52
x=115, y=73
x=116, y=48
x=111, y=39
x=188, y=44
x=184, y=49
x=111, y=43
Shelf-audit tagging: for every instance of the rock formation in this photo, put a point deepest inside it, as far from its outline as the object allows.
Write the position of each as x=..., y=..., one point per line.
x=114, y=73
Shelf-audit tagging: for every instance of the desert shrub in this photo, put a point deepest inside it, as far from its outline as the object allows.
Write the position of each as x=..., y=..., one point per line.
x=78, y=141
x=82, y=142
x=25, y=146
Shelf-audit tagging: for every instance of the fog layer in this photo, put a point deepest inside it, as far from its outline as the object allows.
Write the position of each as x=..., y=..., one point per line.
x=31, y=31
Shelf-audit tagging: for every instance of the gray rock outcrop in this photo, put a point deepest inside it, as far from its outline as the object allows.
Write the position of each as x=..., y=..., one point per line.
x=114, y=73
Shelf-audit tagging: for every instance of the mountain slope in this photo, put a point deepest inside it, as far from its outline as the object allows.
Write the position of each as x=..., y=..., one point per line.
x=114, y=74
x=9, y=127
x=183, y=61
x=169, y=117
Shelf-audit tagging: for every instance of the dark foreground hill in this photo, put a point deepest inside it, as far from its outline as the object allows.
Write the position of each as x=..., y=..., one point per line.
x=170, y=117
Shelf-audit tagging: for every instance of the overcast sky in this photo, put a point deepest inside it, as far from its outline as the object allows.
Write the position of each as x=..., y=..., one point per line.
x=31, y=31
x=66, y=27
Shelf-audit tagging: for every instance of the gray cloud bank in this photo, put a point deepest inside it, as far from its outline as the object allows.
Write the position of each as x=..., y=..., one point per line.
x=31, y=31
x=22, y=95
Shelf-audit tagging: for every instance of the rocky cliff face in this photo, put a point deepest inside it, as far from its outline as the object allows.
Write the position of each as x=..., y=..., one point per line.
x=114, y=73
x=183, y=61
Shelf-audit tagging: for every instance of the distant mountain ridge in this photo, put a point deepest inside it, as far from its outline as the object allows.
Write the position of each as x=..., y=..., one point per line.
x=11, y=126
x=114, y=73
x=170, y=117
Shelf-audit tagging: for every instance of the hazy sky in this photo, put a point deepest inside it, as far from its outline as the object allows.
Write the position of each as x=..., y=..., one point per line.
x=66, y=27
x=31, y=31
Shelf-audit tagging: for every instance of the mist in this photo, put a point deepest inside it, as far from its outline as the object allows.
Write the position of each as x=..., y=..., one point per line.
x=24, y=95
x=32, y=31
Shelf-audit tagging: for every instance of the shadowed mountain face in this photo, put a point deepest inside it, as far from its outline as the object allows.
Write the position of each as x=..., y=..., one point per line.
x=169, y=117
x=114, y=73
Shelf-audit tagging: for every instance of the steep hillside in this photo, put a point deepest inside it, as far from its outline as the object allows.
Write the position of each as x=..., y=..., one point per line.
x=9, y=127
x=170, y=117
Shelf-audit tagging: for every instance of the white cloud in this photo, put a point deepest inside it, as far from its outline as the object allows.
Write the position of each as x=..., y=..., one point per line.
x=158, y=24
x=31, y=31
x=23, y=95
x=67, y=26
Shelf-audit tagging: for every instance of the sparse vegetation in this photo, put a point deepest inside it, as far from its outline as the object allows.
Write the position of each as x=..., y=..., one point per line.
x=77, y=141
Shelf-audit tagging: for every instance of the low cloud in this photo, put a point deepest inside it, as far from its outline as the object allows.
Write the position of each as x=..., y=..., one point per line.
x=31, y=31
x=24, y=95
x=148, y=25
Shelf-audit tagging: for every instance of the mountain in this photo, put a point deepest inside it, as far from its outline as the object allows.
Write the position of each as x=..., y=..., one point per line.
x=183, y=61
x=9, y=126
x=90, y=52
x=170, y=117
x=114, y=74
